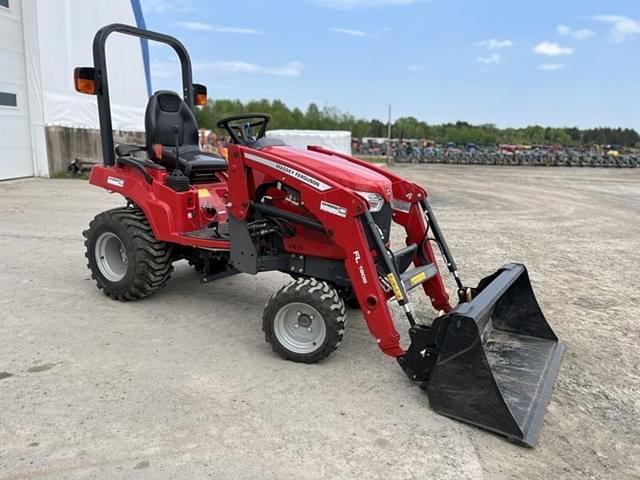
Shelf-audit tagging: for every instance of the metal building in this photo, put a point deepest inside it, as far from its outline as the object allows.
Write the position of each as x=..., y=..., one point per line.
x=41, y=41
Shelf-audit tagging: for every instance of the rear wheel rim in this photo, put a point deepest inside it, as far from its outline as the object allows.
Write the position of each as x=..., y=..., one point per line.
x=111, y=257
x=300, y=328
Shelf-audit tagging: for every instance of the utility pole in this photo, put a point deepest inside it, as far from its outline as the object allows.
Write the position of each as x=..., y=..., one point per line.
x=389, y=158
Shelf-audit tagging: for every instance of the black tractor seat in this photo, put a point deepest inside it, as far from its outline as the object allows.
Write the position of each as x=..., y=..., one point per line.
x=172, y=139
x=193, y=162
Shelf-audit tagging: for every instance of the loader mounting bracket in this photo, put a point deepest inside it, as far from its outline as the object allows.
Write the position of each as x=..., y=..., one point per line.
x=420, y=359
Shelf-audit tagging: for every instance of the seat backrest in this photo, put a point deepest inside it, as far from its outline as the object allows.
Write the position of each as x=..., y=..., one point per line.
x=169, y=119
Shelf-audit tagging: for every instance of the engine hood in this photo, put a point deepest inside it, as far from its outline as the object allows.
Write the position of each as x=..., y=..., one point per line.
x=351, y=175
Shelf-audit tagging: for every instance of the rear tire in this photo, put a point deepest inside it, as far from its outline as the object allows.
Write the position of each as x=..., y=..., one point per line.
x=126, y=260
x=304, y=321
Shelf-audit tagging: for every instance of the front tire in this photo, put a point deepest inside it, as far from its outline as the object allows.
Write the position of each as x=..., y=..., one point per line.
x=349, y=298
x=304, y=321
x=126, y=260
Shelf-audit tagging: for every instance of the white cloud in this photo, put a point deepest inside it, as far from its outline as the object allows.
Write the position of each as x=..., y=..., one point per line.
x=551, y=66
x=206, y=27
x=494, y=43
x=494, y=59
x=169, y=69
x=414, y=68
x=291, y=69
x=622, y=28
x=582, y=34
x=349, y=4
x=166, y=6
x=353, y=33
x=551, y=49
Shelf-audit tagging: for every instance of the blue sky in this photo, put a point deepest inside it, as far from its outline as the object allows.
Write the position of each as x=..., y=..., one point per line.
x=508, y=62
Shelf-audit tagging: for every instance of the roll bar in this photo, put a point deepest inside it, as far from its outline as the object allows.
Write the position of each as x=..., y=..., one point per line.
x=102, y=84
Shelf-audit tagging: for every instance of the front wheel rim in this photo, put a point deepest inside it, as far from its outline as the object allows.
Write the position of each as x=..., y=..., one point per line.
x=300, y=328
x=111, y=257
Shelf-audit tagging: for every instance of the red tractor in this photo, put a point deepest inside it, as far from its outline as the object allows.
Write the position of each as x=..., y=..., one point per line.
x=324, y=218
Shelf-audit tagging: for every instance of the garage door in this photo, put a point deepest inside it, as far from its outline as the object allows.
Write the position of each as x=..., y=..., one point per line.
x=15, y=140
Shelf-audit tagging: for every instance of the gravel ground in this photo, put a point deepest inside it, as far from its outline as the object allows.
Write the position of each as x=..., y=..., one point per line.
x=182, y=385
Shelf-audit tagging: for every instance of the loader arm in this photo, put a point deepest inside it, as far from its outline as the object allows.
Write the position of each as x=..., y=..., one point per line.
x=470, y=359
x=347, y=229
x=408, y=203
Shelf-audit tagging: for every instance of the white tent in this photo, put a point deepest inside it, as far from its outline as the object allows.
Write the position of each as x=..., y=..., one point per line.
x=65, y=41
x=337, y=140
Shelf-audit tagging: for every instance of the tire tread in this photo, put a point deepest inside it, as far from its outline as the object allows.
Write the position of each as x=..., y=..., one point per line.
x=324, y=298
x=153, y=258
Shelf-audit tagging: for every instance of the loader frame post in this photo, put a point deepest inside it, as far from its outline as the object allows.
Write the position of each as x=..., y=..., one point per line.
x=361, y=267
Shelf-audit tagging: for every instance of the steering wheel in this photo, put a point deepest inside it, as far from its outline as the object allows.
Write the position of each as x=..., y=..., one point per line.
x=239, y=126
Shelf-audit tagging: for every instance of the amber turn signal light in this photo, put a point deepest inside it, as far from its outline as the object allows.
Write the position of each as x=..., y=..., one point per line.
x=199, y=95
x=84, y=79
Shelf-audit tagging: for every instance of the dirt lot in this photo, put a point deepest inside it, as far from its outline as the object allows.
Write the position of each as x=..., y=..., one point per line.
x=182, y=385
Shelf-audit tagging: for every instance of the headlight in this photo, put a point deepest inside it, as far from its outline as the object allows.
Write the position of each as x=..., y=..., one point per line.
x=375, y=200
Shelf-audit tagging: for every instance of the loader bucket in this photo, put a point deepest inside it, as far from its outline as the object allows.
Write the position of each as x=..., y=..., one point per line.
x=498, y=359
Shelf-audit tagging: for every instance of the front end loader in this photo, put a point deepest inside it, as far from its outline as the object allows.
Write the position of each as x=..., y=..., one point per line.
x=324, y=218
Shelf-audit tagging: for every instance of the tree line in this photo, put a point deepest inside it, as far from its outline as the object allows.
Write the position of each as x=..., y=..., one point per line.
x=460, y=133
